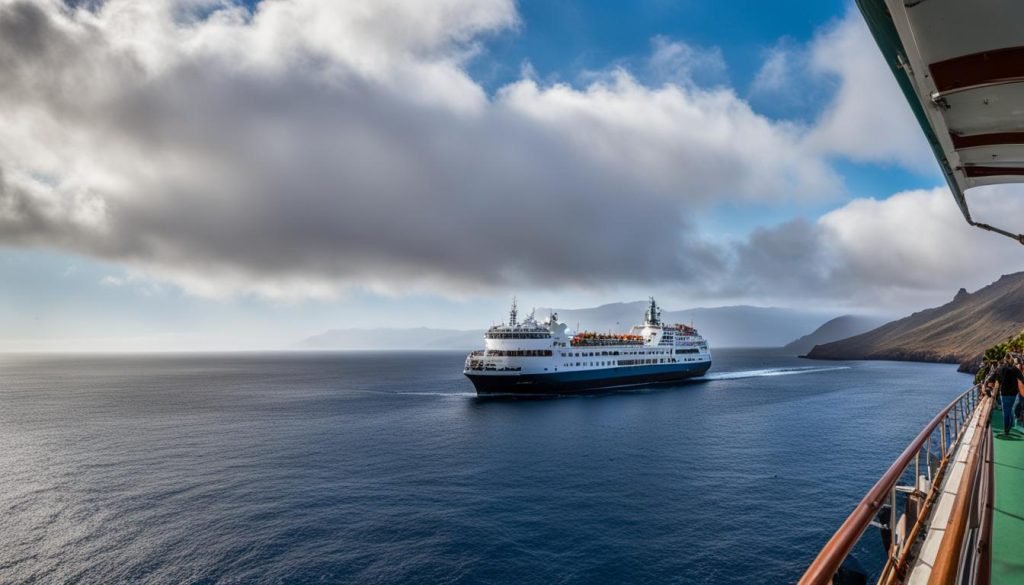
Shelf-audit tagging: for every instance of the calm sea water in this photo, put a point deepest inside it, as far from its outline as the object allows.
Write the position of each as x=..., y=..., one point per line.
x=374, y=468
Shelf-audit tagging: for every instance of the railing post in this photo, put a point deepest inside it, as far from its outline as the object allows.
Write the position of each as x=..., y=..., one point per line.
x=942, y=438
x=895, y=548
x=917, y=471
x=928, y=459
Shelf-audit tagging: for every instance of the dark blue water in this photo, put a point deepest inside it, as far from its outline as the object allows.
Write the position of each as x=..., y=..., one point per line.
x=374, y=468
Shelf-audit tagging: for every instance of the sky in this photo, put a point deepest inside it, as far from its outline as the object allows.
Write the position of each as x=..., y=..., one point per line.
x=198, y=174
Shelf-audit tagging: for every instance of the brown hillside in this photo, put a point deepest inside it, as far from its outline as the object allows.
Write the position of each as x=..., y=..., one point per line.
x=957, y=332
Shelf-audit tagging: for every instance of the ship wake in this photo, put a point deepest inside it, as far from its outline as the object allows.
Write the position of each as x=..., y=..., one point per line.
x=769, y=372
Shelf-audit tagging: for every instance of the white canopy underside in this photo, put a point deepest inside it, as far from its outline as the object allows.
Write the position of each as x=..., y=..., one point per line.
x=965, y=62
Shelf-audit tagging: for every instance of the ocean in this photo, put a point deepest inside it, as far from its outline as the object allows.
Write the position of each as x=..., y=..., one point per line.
x=386, y=468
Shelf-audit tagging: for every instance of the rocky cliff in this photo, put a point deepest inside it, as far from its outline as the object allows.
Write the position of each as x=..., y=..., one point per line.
x=957, y=332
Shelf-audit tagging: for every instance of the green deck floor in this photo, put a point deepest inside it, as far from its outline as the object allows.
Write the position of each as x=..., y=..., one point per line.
x=1008, y=515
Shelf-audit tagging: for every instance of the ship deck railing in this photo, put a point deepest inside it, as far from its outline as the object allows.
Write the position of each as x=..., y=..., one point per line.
x=606, y=342
x=933, y=506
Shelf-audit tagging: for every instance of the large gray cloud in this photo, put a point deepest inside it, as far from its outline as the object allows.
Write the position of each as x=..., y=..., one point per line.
x=313, y=146
x=909, y=250
x=310, y=146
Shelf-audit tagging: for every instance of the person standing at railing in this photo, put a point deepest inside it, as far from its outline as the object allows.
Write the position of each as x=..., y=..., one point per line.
x=1011, y=384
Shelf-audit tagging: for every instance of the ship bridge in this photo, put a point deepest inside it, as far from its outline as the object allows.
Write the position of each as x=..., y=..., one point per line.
x=960, y=65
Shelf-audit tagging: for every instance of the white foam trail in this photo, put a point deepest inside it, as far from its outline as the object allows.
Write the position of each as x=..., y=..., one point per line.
x=446, y=394
x=450, y=394
x=770, y=372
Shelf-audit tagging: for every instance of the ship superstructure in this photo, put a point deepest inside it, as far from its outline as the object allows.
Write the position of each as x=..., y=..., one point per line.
x=531, y=357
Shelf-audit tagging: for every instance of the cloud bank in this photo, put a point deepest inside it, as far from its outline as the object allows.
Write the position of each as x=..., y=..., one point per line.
x=911, y=249
x=305, y=147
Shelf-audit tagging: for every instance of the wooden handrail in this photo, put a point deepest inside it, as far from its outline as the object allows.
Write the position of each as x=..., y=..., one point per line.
x=988, y=501
x=947, y=559
x=835, y=551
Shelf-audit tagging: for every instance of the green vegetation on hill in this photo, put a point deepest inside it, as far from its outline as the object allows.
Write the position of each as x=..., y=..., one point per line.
x=997, y=352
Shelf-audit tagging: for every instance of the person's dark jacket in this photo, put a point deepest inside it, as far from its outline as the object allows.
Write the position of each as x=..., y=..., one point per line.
x=1008, y=376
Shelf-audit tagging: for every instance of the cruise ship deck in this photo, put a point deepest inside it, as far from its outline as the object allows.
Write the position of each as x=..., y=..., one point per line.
x=1008, y=508
x=950, y=509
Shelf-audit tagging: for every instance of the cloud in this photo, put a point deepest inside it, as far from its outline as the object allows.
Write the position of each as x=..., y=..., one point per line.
x=909, y=250
x=776, y=73
x=868, y=119
x=840, y=84
x=304, y=148
x=683, y=64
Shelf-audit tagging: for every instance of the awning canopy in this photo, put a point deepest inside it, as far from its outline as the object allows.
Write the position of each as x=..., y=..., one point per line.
x=960, y=64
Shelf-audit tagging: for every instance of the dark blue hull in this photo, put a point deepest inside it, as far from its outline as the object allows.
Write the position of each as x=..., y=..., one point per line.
x=556, y=383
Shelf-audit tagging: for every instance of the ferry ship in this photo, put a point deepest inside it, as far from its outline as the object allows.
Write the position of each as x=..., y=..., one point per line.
x=531, y=357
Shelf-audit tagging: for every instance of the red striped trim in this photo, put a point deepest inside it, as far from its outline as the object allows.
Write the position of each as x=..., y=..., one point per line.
x=976, y=171
x=997, y=66
x=991, y=139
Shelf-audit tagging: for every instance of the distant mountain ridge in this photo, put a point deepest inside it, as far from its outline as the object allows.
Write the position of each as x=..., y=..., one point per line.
x=834, y=330
x=738, y=326
x=412, y=338
x=735, y=326
x=957, y=332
